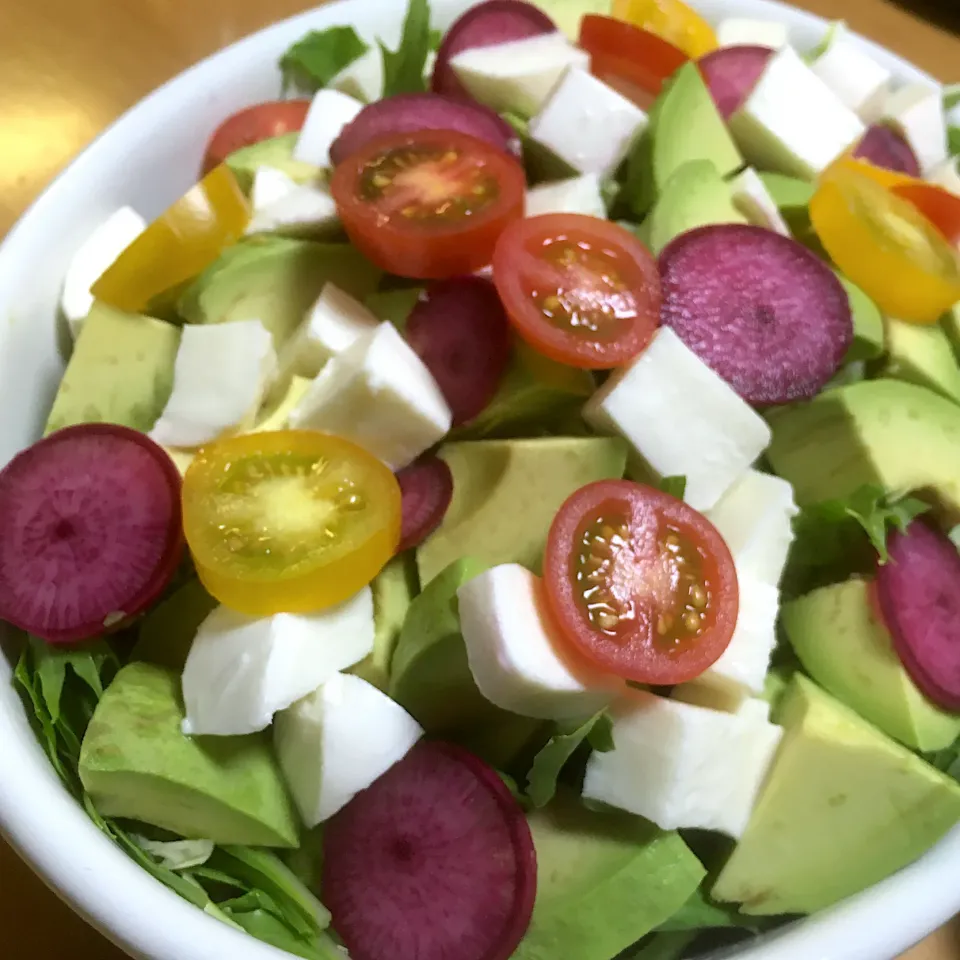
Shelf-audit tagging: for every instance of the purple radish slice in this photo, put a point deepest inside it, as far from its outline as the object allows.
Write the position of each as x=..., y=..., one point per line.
x=460, y=331
x=409, y=112
x=885, y=147
x=90, y=531
x=731, y=73
x=434, y=861
x=496, y=21
x=426, y=486
x=918, y=590
x=760, y=309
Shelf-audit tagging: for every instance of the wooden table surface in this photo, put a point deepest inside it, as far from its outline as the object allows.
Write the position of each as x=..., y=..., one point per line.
x=67, y=69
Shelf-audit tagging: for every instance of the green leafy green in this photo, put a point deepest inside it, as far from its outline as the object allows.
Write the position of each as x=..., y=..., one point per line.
x=313, y=61
x=403, y=69
x=953, y=140
x=670, y=945
x=951, y=95
x=947, y=760
x=675, y=486
x=547, y=764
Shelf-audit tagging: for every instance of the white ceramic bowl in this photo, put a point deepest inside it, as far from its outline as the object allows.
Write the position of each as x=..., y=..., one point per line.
x=147, y=159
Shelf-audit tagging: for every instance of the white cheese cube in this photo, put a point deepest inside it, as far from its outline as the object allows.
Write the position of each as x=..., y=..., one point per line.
x=742, y=31
x=667, y=385
x=362, y=79
x=330, y=111
x=269, y=186
x=854, y=76
x=517, y=658
x=378, y=394
x=587, y=123
x=241, y=670
x=793, y=122
x=335, y=742
x=90, y=262
x=751, y=197
x=916, y=111
x=307, y=208
x=220, y=377
x=517, y=76
x=682, y=765
x=576, y=195
x=947, y=175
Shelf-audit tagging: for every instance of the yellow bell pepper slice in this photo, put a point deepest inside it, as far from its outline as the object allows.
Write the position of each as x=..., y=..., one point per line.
x=671, y=20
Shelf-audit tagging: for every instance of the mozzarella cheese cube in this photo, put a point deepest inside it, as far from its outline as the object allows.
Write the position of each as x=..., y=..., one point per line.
x=667, y=385
x=587, y=123
x=753, y=200
x=330, y=111
x=269, y=186
x=854, y=76
x=793, y=122
x=742, y=31
x=90, y=262
x=515, y=654
x=682, y=765
x=241, y=670
x=916, y=110
x=307, y=208
x=517, y=76
x=947, y=175
x=362, y=79
x=337, y=741
x=378, y=394
x=220, y=377
x=576, y=195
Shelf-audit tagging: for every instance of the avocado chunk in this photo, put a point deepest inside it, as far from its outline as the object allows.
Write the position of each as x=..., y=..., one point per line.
x=276, y=152
x=922, y=355
x=868, y=335
x=901, y=436
x=844, y=806
x=506, y=493
x=167, y=631
x=604, y=880
x=121, y=371
x=274, y=280
x=135, y=763
x=843, y=646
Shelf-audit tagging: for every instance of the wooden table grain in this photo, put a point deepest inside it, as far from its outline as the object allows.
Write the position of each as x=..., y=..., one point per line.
x=67, y=69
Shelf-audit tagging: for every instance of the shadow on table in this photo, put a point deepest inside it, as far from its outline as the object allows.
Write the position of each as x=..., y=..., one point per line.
x=943, y=13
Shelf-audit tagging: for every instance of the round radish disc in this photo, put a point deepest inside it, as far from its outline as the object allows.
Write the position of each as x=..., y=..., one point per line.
x=919, y=594
x=433, y=862
x=90, y=531
x=731, y=73
x=427, y=488
x=460, y=331
x=759, y=308
x=409, y=112
x=884, y=147
x=496, y=21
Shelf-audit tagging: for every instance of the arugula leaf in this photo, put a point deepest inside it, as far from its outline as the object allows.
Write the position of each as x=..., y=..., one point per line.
x=436, y=38
x=403, y=69
x=953, y=140
x=951, y=96
x=670, y=945
x=542, y=778
x=313, y=61
x=946, y=760
x=675, y=486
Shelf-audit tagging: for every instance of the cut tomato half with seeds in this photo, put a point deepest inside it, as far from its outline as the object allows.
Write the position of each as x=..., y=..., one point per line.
x=640, y=583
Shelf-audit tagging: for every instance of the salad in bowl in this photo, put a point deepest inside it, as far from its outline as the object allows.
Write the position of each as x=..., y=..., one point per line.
x=506, y=507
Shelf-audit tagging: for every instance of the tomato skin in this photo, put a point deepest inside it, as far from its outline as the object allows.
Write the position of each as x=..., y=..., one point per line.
x=939, y=206
x=637, y=653
x=672, y=20
x=520, y=267
x=251, y=125
x=428, y=250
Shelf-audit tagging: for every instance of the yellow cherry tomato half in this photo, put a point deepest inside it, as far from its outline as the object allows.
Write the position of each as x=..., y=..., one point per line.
x=671, y=20
x=885, y=245
x=288, y=521
x=179, y=244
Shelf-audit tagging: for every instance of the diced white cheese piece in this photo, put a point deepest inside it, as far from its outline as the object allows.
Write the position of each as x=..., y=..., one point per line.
x=330, y=111
x=682, y=765
x=241, y=670
x=587, y=123
x=916, y=110
x=742, y=31
x=91, y=261
x=576, y=195
x=378, y=394
x=515, y=653
x=754, y=518
x=307, y=208
x=667, y=385
x=517, y=76
x=793, y=122
x=854, y=76
x=220, y=377
x=362, y=79
x=335, y=742
x=947, y=175
x=753, y=200
x=269, y=186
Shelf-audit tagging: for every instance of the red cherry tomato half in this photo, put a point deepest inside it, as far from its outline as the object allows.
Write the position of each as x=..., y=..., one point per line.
x=640, y=583
x=429, y=203
x=628, y=58
x=580, y=290
x=250, y=126
x=939, y=206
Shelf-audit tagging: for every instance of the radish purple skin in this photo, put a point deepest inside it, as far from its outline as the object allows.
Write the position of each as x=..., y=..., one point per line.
x=918, y=590
x=434, y=861
x=731, y=73
x=427, y=489
x=885, y=147
x=496, y=21
x=760, y=309
x=409, y=112
x=97, y=489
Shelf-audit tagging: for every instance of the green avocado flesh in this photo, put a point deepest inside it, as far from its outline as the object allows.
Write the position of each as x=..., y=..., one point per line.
x=167, y=631
x=868, y=335
x=922, y=355
x=276, y=152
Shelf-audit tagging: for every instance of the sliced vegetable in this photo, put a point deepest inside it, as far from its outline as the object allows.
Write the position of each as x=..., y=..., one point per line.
x=426, y=487
x=731, y=73
x=673, y=20
x=317, y=57
x=885, y=147
x=253, y=125
x=403, y=69
x=939, y=206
